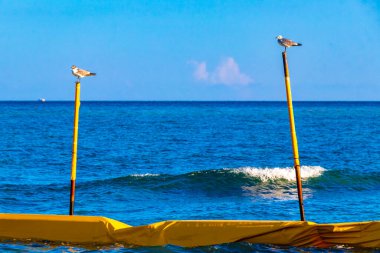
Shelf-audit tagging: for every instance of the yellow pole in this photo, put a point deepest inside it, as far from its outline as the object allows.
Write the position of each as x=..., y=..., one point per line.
x=294, y=136
x=74, y=152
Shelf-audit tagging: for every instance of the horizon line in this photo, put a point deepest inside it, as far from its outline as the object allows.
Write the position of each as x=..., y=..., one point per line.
x=47, y=101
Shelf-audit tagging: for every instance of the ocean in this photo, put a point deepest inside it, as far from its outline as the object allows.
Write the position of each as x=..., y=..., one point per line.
x=144, y=162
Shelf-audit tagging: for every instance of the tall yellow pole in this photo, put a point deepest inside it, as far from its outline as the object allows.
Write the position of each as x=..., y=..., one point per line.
x=294, y=136
x=75, y=142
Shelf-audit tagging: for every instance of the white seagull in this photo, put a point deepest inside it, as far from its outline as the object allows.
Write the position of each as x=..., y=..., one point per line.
x=286, y=42
x=79, y=73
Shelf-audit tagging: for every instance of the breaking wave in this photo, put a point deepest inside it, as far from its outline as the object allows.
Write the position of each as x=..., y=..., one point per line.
x=271, y=174
x=220, y=182
x=252, y=181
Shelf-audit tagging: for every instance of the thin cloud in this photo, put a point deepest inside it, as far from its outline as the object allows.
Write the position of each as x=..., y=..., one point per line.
x=200, y=72
x=226, y=73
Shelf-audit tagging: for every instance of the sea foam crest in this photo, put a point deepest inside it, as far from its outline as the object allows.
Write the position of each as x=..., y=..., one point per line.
x=268, y=174
x=145, y=175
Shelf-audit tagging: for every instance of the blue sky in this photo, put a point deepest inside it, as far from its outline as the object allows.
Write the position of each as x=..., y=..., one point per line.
x=189, y=50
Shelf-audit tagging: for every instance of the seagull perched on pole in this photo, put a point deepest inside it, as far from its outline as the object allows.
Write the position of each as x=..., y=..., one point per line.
x=286, y=42
x=79, y=73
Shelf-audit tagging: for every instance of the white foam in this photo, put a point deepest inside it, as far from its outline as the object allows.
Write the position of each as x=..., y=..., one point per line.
x=268, y=174
x=145, y=175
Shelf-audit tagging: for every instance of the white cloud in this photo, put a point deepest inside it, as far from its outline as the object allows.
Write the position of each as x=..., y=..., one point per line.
x=226, y=73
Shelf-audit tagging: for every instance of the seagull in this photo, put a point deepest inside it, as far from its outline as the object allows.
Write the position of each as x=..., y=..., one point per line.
x=286, y=42
x=79, y=73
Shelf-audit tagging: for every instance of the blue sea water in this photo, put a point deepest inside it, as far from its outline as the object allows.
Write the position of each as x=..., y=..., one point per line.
x=143, y=162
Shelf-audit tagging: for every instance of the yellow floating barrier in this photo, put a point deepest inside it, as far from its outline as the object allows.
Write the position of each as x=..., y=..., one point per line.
x=192, y=233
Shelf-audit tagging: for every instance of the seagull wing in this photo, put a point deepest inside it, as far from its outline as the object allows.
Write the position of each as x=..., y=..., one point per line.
x=287, y=42
x=83, y=72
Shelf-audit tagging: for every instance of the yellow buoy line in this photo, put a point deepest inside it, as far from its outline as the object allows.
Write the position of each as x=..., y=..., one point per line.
x=100, y=230
x=187, y=233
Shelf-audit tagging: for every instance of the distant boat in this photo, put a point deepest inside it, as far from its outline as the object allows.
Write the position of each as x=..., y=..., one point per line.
x=42, y=100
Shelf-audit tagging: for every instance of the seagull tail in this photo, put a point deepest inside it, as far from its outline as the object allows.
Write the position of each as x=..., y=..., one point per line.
x=298, y=44
x=92, y=74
